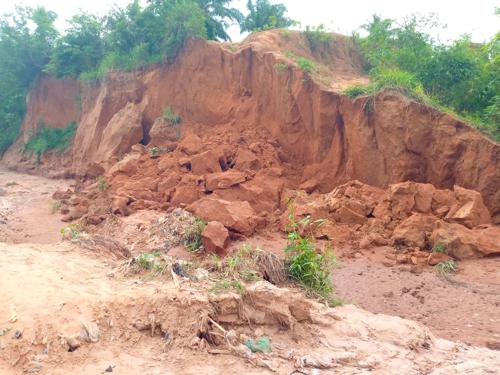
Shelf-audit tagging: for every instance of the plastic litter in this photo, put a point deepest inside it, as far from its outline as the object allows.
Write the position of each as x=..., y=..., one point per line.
x=261, y=345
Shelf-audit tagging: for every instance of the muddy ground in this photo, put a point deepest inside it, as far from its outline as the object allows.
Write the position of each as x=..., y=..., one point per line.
x=44, y=277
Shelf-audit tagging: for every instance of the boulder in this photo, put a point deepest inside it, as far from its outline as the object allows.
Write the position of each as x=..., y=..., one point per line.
x=94, y=170
x=224, y=180
x=163, y=133
x=442, y=201
x=414, y=231
x=246, y=160
x=350, y=213
x=75, y=213
x=462, y=242
x=215, y=237
x=469, y=209
x=119, y=205
x=436, y=258
x=237, y=216
x=191, y=144
x=186, y=191
x=127, y=166
x=206, y=162
x=123, y=130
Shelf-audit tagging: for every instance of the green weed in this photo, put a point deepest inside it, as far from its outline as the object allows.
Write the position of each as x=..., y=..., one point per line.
x=439, y=248
x=305, y=65
x=154, y=152
x=102, y=185
x=446, y=267
x=225, y=285
x=192, y=235
x=171, y=116
x=307, y=265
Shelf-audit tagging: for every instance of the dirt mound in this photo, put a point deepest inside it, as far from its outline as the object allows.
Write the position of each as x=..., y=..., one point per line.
x=234, y=96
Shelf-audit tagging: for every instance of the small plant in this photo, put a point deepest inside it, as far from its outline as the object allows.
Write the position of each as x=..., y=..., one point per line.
x=71, y=232
x=446, y=267
x=56, y=206
x=102, y=185
x=305, y=65
x=154, y=152
x=280, y=67
x=306, y=264
x=241, y=265
x=146, y=260
x=357, y=90
x=317, y=36
x=224, y=285
x=439, y=248
x=152, y=262
x=173, y=118
x=192, y=235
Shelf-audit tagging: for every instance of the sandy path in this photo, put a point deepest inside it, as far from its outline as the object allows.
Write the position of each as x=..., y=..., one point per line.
x=26, y=208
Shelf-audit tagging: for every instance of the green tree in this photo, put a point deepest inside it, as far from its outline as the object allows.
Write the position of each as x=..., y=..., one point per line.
x=264, y=16
x=218, y=17
x=26, y=41
x=184, y=20
x=80, y=49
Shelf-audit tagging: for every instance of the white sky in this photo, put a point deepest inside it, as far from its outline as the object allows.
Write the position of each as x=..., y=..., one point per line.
x=461, y=17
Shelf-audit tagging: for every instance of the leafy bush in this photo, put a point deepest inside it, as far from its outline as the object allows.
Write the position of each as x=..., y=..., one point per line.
x=461, y=77
x=305, y=65
x=357, y=90
x=317, y=36
x=394, y=79
x=307, y=265
x=49, y=139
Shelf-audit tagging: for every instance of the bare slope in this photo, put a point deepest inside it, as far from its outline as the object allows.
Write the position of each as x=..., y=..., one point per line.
x=327, y=136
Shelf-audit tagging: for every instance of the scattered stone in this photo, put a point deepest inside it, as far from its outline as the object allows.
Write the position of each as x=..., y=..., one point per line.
x=435, y=258
x=215, y=237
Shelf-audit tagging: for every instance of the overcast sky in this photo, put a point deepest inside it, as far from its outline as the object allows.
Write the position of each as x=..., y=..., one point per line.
x=461, y=17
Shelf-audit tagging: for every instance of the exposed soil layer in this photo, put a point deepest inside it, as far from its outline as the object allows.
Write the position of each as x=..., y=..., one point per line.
x=328, y=137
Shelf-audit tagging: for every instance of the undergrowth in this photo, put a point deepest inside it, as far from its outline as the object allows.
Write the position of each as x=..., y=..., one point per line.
x=192, y=235
x=317, y=36
x=50, y=139
x=172, y=117
x=446, y=267
x=306, y=264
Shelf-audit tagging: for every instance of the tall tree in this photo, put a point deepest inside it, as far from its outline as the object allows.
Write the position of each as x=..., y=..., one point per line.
x=263, y=16
x=80, y=49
